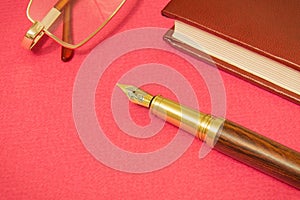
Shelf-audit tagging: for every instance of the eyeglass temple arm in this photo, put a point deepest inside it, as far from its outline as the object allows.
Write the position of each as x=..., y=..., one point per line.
x=66, y=53
x=35, y=33
x=61, y=4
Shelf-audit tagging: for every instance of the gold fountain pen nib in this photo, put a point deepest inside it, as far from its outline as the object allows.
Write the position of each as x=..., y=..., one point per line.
x=136, y=95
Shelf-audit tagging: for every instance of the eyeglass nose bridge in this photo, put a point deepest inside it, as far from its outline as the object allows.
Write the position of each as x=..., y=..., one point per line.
x=36, y=31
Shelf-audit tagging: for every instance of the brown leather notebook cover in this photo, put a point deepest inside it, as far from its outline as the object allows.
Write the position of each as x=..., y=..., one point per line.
x=270, y=28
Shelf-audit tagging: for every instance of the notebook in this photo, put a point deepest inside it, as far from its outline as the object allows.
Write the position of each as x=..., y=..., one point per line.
x=258, y=41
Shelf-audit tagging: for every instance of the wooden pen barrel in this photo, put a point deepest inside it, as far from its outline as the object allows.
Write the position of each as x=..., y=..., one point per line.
x=260, y=152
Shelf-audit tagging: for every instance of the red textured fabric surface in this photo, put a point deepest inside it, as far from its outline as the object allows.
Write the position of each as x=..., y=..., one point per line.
x=43, y=157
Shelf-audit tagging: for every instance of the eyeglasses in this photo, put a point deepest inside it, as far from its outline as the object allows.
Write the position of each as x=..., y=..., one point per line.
x=70, y=23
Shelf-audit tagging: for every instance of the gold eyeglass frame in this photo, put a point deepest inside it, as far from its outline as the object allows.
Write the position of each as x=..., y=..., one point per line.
x=38, y=29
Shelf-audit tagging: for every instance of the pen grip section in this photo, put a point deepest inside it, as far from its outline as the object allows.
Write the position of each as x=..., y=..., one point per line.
x=260, y=152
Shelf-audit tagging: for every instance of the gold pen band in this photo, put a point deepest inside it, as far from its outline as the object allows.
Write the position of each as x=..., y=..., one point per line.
x=203, y=126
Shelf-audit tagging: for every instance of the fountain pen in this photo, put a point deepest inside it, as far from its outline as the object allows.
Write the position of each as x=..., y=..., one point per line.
x=225, y=136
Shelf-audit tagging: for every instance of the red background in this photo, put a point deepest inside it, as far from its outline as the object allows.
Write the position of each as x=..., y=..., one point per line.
x=42, y=156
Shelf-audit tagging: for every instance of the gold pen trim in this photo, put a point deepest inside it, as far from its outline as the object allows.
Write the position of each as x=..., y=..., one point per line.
x=203, y=126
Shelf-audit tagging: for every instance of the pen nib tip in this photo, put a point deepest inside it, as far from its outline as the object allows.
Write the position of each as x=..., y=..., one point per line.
x=125, y=88
x=136, y=95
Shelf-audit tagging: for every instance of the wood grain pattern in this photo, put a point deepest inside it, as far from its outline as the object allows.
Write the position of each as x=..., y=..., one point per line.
x=260, y=152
